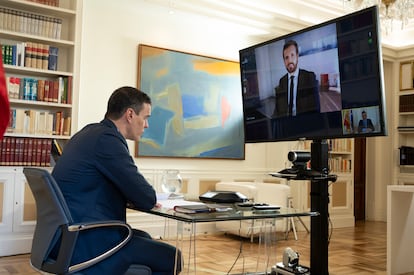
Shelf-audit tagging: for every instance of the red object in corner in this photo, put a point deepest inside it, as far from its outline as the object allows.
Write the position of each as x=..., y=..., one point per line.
x=4, y=101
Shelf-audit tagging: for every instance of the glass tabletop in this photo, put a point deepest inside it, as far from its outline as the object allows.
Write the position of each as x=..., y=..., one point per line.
x=234, y=213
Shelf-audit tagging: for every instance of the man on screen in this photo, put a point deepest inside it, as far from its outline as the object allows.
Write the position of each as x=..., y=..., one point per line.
x=365, y=125
x=297, y=92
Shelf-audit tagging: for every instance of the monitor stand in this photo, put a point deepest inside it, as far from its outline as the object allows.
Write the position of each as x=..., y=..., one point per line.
x=319, y=195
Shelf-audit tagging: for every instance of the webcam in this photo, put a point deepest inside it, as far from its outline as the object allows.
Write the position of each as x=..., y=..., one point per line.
x=299, y=158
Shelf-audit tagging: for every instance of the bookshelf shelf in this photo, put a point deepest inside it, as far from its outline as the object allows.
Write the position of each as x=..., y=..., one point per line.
x=35, y=38
x=34, y=71
x=341, y=153
x=65, y=8
x=406, y=114
x=39, y=103
x=60, y=137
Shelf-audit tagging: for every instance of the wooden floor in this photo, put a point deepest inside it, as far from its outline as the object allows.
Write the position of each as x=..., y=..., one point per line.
x=359, y=250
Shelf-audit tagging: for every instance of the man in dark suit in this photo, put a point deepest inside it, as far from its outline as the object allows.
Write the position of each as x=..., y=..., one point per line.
x=297, y=92
x=296, y=98
x=98, y=178
x=365, y=125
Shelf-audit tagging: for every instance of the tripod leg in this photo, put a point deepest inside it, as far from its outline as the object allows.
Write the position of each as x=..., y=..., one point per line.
x=287, y=228
x=303, y=224
x=292, y=221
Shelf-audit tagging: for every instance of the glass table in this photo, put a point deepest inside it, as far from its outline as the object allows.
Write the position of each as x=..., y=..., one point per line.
x=186, y=223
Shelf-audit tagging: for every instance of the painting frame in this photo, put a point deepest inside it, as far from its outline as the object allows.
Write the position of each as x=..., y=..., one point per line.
x=196, y=105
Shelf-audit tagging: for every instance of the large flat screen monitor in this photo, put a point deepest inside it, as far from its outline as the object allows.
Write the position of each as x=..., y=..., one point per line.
x=337, y=84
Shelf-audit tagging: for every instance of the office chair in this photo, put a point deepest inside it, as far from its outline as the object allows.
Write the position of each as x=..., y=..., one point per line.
x=54, y=223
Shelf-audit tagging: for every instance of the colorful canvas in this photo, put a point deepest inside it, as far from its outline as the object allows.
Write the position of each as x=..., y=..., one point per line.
x=196, y=105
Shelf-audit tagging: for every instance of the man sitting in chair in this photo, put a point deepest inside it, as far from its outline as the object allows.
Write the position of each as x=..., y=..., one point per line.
x=98, y=178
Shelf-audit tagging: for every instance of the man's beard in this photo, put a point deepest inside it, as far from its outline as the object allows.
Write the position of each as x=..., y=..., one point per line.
x=290, y=68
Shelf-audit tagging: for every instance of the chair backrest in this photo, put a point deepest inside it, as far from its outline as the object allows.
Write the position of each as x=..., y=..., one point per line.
x=53, y=218
x=55, y=224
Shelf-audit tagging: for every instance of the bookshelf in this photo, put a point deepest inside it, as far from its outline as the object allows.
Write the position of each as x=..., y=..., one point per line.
x=40, y=42
x=40, y=49
x=340, y=156
x=405, y=123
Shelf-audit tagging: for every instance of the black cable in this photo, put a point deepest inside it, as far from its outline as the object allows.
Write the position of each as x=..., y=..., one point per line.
x=240, y=253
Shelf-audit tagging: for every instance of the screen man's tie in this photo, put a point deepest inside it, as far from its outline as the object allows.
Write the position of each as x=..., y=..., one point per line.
x=291, y=96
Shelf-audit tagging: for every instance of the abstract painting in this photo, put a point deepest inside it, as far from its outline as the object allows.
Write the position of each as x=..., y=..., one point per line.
x=196, y=105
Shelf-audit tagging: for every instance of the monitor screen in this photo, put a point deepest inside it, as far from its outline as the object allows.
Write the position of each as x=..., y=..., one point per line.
x=331, y=71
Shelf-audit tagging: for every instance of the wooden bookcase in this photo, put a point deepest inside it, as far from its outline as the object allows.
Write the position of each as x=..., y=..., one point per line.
x=41, y=85
x=405, y=123
x=28, y=29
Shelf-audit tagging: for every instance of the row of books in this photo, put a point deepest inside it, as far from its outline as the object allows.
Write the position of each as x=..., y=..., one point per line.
x=23, y=121
x=30, y=23
x=58, y=90
x=406, y=103
x=340, y=145
x=19, y=151
x=32, y=55
x=338, y=164
x=336, y=145
x=54, y=3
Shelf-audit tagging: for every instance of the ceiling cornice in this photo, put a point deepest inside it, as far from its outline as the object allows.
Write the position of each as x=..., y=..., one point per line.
x=267, y=19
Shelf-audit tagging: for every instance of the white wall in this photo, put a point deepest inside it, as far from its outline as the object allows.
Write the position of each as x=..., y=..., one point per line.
x=379, y=158
x=112, y=31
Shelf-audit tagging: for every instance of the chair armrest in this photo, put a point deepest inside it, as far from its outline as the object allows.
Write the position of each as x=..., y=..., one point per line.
x=109, y=252
x=98, y=224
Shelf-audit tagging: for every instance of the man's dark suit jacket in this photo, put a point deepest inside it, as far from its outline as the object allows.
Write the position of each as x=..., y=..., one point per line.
x=307, y=97
x=361, y=127
x=98, y=176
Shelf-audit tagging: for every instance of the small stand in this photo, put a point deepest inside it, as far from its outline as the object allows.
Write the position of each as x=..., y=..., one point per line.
x=319, y=177
x=319, y=203
x=280, y=269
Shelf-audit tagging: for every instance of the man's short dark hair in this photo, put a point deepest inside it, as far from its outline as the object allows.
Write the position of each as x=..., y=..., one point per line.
x=291, y=43
x=124, y=98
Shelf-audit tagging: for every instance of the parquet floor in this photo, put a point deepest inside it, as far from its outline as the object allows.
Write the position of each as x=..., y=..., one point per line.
x=358, y=250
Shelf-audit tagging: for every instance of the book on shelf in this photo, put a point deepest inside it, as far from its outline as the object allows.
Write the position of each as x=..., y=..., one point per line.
x=28, y=54
x=13, y=86
x=53, y=58
x=57, y=148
